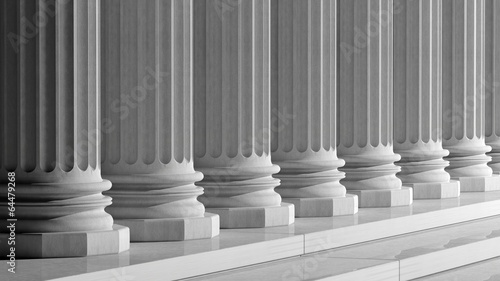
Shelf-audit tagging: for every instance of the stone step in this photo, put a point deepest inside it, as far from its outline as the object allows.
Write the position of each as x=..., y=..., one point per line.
x=488, y=270
x=236, y=248
x=404, y=257
x=313, y=267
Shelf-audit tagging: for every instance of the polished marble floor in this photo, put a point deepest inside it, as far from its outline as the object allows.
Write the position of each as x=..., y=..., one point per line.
x=245, y=247
x=488, y=270
x=311, y=267
x=403, y=257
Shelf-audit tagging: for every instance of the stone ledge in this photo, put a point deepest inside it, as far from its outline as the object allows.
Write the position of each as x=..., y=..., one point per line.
x=236, y=248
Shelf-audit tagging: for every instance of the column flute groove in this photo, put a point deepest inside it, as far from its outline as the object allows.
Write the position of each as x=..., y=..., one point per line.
x=492, y=85
x=147, y=120
x=464, y=95
x=50, y=131
x=232, y=113
x=365, y=98
x=304, y=90
x=418, y=100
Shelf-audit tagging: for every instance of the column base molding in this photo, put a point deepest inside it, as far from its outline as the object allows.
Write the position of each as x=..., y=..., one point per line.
x=175, y=229
x=67, y=244
x=435, y=190
x=384, y=197
x=495, y=161
x=324, y=207
x=249, y=217
x=479, y=184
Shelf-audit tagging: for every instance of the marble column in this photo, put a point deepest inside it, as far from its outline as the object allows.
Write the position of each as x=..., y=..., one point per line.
x=492, y=81
x=418, y=98
x=147, y=116
x=49, y=124
x=365, y=137
x=464, y=95
x=303, y=106
x=232, y=113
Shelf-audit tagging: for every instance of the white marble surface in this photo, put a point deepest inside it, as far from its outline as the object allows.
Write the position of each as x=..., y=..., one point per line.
x=482, y=271
x=417, y=254
x=410, y=245
x=243, y=247
x=370, y=215
x=377, y=223
x=435, y=250
x=228, y=244
x=313, y=267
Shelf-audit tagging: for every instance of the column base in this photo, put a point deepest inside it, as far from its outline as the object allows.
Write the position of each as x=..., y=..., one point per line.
x=324, y=207
x=479, y=184
x=67, y=244
x=384, y=198
x=435, y=190
x=177, y=229
x=249, y=217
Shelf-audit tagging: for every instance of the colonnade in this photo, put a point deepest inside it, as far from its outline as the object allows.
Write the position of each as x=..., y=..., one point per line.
x=209, y=114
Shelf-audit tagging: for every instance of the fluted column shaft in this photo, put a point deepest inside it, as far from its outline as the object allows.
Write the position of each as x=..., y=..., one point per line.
x=304, y=91
x=492, y=81
x=232, y=112
x=50, y=126
x=365, y=103
x=463, y=94
x=418, y=98
x=147, y=112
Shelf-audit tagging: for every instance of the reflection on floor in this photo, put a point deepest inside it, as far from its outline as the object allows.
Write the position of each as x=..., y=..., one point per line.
x=488, y=270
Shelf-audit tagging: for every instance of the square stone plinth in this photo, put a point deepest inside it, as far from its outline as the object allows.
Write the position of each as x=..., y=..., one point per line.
x=384, y=198
x=435, y=190
x=67, y=244
x=142, y=230
x=479, y=184
x=324, y=207
x=247, y=217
